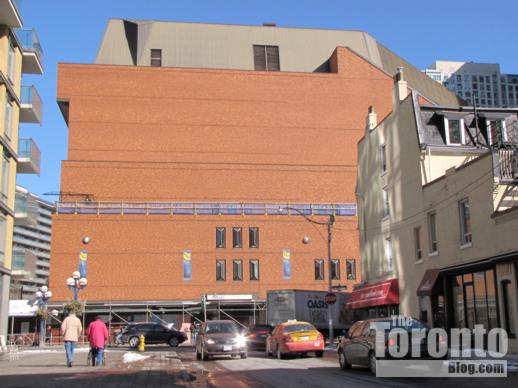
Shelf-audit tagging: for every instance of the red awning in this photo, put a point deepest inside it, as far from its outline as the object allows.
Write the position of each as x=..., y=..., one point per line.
x=377, y=294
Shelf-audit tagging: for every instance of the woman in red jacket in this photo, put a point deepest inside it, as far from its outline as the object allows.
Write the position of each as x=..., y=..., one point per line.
x=97, y=335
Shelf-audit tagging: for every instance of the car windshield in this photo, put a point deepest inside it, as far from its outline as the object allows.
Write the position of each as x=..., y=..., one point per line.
x=222, y=328
x=298, y=327
x=261, y=328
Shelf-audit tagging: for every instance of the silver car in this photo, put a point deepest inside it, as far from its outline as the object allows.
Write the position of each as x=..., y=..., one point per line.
x=217, y=338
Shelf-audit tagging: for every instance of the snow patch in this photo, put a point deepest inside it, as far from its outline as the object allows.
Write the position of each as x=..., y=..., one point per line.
x=133, y=357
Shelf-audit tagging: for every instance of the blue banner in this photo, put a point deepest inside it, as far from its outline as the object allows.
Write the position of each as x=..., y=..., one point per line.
x=187, y=265
x=83, y=259
x=286, y=263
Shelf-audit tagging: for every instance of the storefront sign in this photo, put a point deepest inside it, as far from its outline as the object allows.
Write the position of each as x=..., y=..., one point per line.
x=216, y=297
x=378, y=294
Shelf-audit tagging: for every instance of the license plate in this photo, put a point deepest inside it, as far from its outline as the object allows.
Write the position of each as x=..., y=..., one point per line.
x=227, y=348
x=305, y=338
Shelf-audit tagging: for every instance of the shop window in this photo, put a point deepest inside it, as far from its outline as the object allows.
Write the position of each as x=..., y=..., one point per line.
x=351, y=269
x=319, y=269
x=221, y=237
x=254, y=269
x=417, y=243
x=253, y=237
x=433, y=245
x=465, y=222
x=509, y=303
x=335, y=269
x=237, y=269
x=237, y=237
x=221, y=270
x=156, y=57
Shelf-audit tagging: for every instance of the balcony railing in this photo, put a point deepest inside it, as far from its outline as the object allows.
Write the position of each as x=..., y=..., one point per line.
x=508, y=164
x=29, y=157
x=205, y=208
x=33, y=53
x=25, y=210
x=31, y=105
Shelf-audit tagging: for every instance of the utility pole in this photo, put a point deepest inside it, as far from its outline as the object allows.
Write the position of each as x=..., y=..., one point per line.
x=330, y=223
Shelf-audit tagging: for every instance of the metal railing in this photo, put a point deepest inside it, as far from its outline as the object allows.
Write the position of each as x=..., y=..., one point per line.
x=30, y=42
x=28, y=152
x=205, y=208
x=508, y=164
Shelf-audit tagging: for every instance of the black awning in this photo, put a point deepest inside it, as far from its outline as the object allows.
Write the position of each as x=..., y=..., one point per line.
x=429, y=285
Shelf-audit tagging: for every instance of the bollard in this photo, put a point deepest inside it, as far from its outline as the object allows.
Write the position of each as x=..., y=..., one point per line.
x=142, y=343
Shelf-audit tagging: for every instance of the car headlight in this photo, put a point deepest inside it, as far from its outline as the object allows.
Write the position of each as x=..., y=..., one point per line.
x=210, y=341
x=240, y=340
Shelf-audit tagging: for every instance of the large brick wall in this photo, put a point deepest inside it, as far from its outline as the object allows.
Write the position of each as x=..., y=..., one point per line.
x=170, y=134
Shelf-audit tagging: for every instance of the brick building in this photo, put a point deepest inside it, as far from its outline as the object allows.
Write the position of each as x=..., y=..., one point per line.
x=191, y=155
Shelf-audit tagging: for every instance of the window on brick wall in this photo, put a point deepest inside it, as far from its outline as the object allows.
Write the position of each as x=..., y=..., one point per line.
x=254, y=269
x=237, y=269
x=351, y=269
x=253, y=237
x=221, y=270
x=221, y=237
x=237, y=237
x=335, y=269
x=319, y=269
x=156, y=57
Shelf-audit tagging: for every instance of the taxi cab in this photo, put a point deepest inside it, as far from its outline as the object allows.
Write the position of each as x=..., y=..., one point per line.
x=295, y=337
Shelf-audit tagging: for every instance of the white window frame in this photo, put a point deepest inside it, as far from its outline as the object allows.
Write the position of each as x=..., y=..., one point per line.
x=462, y=131
x=386, y=203
x=11, y=60
x=490, y=132
x=389, y=254
x=466, y=237
x=418, y=246
x=8, y=118
x=4, y=183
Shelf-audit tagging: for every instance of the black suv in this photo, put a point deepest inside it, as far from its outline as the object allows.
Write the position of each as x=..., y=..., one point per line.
x=256, y=336
x=359, y=346
x=154, y=333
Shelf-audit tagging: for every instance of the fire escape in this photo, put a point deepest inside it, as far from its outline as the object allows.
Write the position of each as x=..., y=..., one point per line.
x=505, y=165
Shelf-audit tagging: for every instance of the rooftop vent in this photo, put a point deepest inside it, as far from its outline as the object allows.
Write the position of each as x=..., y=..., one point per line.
x=269, y=24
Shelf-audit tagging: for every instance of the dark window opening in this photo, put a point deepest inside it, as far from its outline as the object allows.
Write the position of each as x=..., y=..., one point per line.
x=237, y=237
x=351, y=269
x=266, y=58
x=254, y=269
x=335, y=269
x=221, y=270
x=221, y=237
x=319, y=269
x=156, y=57
x=237, y=266
x=253, y=237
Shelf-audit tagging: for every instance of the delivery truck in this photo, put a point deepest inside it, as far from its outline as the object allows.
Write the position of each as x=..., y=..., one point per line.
x=308, y=306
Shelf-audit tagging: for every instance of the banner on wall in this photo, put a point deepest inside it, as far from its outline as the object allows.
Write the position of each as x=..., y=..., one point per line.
x=83, y=259
x=187, y=265
x=286, y=263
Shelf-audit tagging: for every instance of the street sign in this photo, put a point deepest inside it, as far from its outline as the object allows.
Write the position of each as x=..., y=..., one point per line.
x=330, y=298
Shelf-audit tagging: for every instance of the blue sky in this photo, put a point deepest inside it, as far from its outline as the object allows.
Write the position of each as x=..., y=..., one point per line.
x=421, y=32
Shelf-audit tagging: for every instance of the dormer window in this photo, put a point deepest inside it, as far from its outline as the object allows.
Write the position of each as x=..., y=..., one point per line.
x=496, y=131
x=454, y=131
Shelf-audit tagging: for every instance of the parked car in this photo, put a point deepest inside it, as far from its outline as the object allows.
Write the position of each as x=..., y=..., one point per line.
x=217, y=338
x=257, y=335
x=359, y=346
x=154, y=333
x=295, y=337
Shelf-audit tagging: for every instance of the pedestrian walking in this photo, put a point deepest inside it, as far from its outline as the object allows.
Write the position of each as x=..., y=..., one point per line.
x=97, y=336
x=71, y=329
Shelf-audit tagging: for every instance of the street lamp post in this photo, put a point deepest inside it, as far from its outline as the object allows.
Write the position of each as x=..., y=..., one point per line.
x=76, y=283
x=329, y=223
x=78, y=280
x=42, y=297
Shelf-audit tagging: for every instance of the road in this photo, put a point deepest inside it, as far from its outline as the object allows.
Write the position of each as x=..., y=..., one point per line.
x=166, y=367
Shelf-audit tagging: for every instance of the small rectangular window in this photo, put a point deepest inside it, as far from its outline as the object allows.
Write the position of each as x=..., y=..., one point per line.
x=254, y=269
x=319, y=269
x=454, y=130
x=417, y=243
x=253, y=237
x=386, y=206
x=335, y=269
x=465, y=222
x=11, y=58
x=8, y=118
x=221, y=270
x=388, y=255
x=221, y=237
x=156, y=57
x=383, y=155
x=237, y=266
x=433, y=245
x=237, y=237
x=351, y=269
x=266, y=58
x=5, y=179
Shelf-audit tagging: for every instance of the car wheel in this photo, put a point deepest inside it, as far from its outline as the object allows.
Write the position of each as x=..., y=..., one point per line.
x=372, y=362
x=319, y=353
x=133, y=342
x=204, y=356
x=173, y=342
x=343, y=360
x=280, y=356
x=244, y=355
